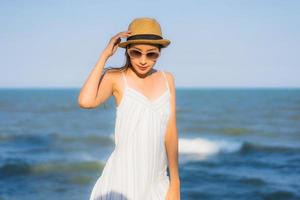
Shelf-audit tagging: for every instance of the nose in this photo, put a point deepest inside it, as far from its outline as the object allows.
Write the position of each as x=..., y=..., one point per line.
x=143, y=59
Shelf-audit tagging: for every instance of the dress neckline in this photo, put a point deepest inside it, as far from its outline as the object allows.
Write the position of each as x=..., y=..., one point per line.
x=152, y=101
x=143, y=98
x=126, y=85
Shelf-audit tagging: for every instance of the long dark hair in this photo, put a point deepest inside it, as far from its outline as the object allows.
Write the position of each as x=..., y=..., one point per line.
x=126, y=65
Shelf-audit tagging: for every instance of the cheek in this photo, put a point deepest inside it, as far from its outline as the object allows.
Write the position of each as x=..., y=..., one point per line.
x=134, y=62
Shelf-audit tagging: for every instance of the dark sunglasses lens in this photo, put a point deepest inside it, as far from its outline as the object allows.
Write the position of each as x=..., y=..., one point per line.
x=152, y=55
x=135, y=54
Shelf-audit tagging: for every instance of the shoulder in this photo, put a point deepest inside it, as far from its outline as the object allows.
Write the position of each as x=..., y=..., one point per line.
x=170, y=78
x=113, y=74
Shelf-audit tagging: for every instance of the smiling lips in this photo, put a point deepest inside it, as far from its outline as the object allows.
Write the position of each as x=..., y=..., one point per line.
x=142, y=68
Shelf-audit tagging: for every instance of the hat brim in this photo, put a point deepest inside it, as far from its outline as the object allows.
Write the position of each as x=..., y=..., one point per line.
x=163, y=42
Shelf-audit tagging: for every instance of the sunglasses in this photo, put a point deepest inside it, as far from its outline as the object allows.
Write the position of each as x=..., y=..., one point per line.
x=137, y=54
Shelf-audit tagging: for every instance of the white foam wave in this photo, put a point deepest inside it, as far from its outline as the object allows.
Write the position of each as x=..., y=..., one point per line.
x=201, y=148
x=207, y=147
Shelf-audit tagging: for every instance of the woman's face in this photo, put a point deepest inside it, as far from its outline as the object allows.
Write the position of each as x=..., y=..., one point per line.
x=143, y=57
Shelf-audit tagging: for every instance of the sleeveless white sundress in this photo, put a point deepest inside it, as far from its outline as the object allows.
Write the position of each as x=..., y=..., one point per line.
x=137, y=167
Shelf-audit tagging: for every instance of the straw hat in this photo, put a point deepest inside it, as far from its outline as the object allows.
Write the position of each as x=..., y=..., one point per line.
x=145, y=30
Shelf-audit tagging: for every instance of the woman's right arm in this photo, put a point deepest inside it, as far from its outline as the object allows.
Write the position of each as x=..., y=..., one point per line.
x=88, y=95
x=93, y=92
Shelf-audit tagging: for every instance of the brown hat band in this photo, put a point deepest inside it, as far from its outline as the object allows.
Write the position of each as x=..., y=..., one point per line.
x=144, y=36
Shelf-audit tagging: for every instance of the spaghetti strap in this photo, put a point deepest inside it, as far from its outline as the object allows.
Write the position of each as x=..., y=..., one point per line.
x=124, y=78
x=167, y=83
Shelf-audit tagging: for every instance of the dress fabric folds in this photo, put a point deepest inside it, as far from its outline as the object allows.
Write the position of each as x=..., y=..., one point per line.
x=137, y=167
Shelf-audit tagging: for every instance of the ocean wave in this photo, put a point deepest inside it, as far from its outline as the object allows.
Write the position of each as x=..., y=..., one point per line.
x=255, y=181
x=207, y=147
x=102, y=140
x=249, y=147
x=279, y=194
x=20, y=167
x=53, y=137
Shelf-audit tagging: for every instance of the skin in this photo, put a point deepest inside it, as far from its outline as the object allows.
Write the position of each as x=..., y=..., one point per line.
x=93, y=94
x=143, y=79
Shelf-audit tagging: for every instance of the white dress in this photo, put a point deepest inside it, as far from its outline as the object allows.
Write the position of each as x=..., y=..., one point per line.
x=137, y=167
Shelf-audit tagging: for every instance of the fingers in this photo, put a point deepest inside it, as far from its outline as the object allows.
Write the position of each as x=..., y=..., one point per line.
x=127, y=31
x=123, y=34
x=117, y=38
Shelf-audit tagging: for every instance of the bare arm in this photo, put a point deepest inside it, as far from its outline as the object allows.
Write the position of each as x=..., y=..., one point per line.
x=95, y=91
x=171, y=141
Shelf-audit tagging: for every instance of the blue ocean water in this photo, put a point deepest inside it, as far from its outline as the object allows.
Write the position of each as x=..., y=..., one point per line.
x=233, y=144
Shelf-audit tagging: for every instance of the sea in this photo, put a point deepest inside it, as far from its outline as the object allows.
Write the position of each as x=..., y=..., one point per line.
x=234, y=143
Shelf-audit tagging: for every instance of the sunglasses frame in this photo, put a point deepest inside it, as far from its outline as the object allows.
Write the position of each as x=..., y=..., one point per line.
x=128, y=52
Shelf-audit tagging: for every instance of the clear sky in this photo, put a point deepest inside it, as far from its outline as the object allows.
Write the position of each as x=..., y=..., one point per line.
x=242, y=43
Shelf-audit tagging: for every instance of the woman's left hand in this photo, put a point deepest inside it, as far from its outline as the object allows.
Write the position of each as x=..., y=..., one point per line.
x=173, y=192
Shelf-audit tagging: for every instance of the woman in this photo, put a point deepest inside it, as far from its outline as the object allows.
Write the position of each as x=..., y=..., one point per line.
x=146, y=139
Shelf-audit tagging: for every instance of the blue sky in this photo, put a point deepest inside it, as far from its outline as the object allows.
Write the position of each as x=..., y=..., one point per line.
x=213, y=43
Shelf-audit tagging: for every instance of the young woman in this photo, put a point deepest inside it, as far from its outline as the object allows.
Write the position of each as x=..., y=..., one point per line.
x=146, y=139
